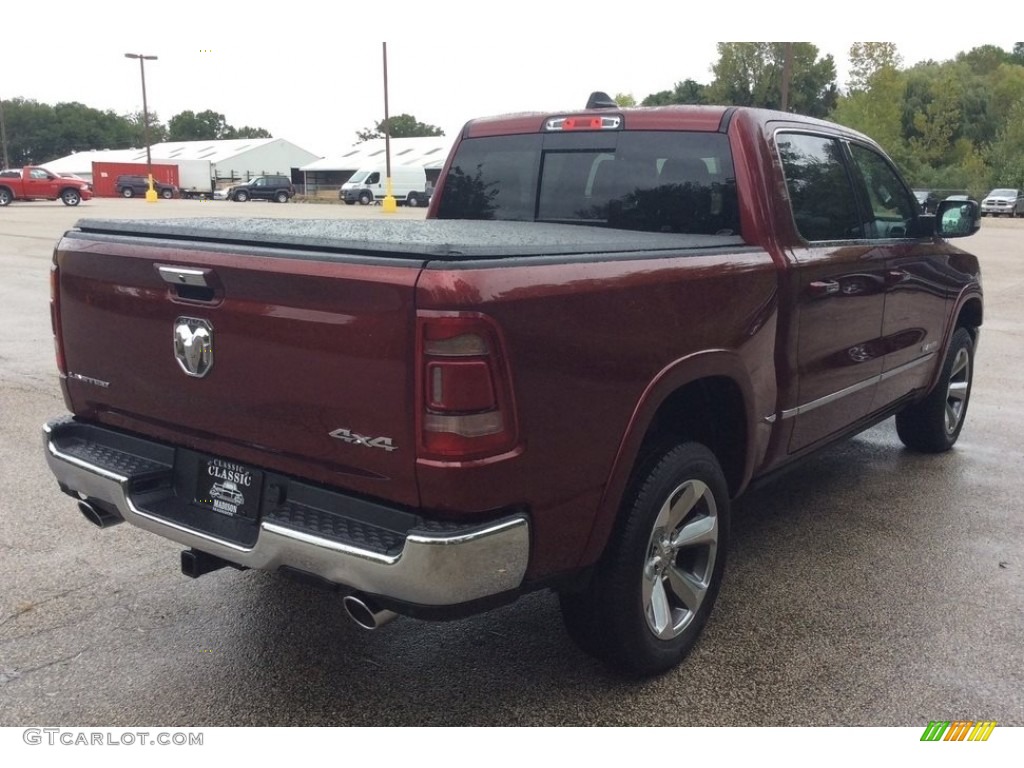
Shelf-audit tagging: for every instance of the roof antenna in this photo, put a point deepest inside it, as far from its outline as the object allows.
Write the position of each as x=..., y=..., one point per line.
x=601, y=100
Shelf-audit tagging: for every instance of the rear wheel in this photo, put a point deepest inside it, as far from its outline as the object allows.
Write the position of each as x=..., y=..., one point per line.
x=654, y=588
x=412, y=200
x=933, y=425
x=5, y=196
x=128, y=192
x=281, y=197
x=70, y=197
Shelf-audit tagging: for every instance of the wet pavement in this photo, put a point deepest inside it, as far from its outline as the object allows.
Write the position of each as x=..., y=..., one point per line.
x=869, y=586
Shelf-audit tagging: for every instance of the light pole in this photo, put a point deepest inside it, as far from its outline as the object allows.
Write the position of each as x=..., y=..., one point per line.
x=150, y=193
x=389, y=205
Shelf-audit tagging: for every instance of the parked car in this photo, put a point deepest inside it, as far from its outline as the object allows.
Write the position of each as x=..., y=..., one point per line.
x=1003, y=202
x=928, y=199
x=137, y=186
x=276, y=188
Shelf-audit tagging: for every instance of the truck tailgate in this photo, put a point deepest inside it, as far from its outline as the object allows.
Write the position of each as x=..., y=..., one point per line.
x=311, y=364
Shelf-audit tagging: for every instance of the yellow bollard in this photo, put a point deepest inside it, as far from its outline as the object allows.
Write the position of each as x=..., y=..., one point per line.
x=151, y=196
x=389, y=205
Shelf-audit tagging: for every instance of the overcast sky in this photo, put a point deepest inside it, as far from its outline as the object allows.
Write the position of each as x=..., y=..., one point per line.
x=311, y=72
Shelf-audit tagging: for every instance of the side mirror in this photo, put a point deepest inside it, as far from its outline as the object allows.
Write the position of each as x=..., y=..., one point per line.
x=958, y=218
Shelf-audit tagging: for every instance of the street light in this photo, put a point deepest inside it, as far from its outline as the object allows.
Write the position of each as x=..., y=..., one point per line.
x=150, y=193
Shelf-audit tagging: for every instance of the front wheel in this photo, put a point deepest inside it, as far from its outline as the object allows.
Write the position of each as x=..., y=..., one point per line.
x=241, y=196
x=70, y=197
x=365, y=198
x=933, y=425
x=127, y=192
x=655, y=586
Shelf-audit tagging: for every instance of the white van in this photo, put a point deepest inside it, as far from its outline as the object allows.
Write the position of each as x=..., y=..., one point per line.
x=408, y=185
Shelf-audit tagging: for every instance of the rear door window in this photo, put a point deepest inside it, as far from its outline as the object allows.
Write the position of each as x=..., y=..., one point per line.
x=820, y=189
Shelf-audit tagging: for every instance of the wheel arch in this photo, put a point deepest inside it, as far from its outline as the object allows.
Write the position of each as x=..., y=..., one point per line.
x=968, y=313
x=706, y=398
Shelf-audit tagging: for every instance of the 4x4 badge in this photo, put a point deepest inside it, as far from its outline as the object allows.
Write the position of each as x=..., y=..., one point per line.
x=354, y=438
x=193, y=345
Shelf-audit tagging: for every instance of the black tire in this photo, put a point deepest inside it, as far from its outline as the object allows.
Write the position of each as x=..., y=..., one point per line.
x=618, y=615
x=412, y=200
x=71, y=197
x=350, y=202
x=281, y=197
x=5, y=197
x=933, y=425
x=365, y=198
x=241, y=196
x=127, y=192
x=166, y=194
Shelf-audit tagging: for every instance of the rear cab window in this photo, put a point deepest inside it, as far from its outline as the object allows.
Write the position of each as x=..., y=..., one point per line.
x=650, y=181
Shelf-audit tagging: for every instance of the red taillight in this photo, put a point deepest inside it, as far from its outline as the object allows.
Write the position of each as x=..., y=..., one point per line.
x=58, y=347
x=465, y=408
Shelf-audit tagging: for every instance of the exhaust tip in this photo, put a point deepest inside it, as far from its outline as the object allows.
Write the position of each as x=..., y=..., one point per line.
x=99, y=517
x=366, y=613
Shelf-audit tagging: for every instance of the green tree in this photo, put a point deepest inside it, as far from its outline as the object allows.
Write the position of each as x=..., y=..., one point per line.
x=686, y=92
x=1006, y=156
x=248, y=132
x=876, y=109
x=38, y=133
x=867, y=59
x=401, y=127
x=937, y=124
x=207, y=126
x=192, y=126
x=750, y=74
x=157, y=130
x=625, y=100
x=985, y=58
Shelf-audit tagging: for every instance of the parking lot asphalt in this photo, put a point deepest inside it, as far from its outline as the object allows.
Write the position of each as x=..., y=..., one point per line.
x=869, y=586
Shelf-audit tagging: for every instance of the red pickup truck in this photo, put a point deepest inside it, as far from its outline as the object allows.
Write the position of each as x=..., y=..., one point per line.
x=612, y=322
x=35, y=183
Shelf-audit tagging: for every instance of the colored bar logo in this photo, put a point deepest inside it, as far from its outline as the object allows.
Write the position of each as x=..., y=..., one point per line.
x=958, y=730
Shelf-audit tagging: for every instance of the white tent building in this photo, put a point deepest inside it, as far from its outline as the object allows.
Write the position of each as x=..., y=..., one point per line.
x=427, y=152
x=227, y=159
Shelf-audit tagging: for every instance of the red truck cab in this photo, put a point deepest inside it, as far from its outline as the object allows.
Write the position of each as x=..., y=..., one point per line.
x=38, y=183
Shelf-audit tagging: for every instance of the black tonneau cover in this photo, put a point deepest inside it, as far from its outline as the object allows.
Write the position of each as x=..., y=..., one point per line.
x=451, y=240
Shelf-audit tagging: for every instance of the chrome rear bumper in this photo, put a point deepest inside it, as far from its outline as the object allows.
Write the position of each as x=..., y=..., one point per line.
x=436, y=565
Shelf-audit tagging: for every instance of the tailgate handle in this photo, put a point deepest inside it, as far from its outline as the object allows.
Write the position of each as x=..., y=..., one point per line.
x=184, y=276
x=190, y=283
